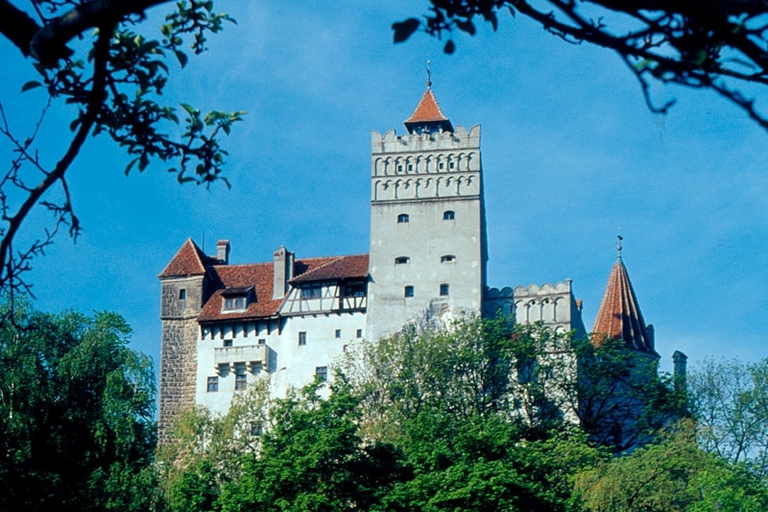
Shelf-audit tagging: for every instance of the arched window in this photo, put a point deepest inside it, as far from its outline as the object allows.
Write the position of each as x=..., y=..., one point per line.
x=402, y=218
x=447, y=258
x=402, y=260
x=449, y=215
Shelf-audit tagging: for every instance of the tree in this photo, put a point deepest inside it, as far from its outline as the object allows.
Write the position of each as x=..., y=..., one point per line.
x=77, y=405
x=717, y=45
x=671, y=475
x=729, y=400
x=112, y=82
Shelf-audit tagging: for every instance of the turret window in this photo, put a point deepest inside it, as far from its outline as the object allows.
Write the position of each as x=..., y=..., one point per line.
x=449, y=215
x=403, y=218
x=408, y=291
x=402, y=260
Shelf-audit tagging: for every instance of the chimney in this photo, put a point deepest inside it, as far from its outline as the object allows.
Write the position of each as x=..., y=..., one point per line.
x=680, y=361
x=222, y=251
x=283, y=270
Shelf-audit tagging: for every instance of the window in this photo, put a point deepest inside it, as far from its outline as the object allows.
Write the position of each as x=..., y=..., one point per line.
x=402, y=260
x=399, y=168
x=449, y=215
x=450, y=165
x=235, y=303
x=403, y=218
x=441, y=165
x=240, y=377
x=262, y=341
x=311, y=292
x=321, y=373
x=448, y=258
x=354, y=290
x=213, y=384
x=338, y=333
x=410, y=167
x=227, y=343
x=183, y=294
x=302, y=338
x=444, y=289
x=257, y=428
x=408, y=292
x=359, y=333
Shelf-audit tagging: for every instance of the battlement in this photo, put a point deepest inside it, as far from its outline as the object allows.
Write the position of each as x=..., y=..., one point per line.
x=460, y=138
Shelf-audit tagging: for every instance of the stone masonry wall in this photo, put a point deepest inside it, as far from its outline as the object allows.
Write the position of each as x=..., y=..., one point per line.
x=178, y=369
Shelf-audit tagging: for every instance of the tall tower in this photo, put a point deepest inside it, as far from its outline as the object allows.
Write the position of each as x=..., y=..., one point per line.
x=428, y=243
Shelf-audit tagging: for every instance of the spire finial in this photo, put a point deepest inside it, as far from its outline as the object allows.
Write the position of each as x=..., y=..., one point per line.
x=429, y=77
x=618, y=246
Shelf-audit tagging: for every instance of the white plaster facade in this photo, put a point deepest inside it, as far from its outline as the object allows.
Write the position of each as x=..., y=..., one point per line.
x=292, y=318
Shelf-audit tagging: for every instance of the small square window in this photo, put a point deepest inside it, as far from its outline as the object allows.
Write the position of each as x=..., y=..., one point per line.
x=183, y=294
x=257, y=428
x=302, y=338
x=449, y=215
x=321, y=373
x=408, y=292
x=359, y=333
x=227, y=343
x=451, y=165
x=213, y=385
x=241, y=379
x=338, y=333
x=444, y=289
x=403, y=218
x=441, y=165
x=410, y=167
x=262, y=341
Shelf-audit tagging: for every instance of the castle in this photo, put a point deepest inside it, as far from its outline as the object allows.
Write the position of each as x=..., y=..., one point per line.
x=223, y=325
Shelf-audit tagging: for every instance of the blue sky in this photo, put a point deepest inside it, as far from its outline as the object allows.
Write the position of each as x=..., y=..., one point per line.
x=570, y=153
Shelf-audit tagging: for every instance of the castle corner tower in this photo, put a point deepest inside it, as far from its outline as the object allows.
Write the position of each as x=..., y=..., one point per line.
x=428, y=249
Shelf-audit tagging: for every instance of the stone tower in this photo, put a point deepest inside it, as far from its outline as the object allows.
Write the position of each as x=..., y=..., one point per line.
x=428, y=247
x=183, y=285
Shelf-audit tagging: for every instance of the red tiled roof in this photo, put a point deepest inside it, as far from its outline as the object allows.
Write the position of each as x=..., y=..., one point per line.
x=189, y=261
x=260, y=276
x=341, y=267
x=427, y=110
x=619, y=316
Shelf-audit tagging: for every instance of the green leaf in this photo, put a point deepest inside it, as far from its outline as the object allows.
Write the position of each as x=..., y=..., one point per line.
x=404, y=29
x=466, y=26
x=130, y=166
x=30, y=85
x=450, y=47
x=143, y=162
x=189, y=108
x=181, y=57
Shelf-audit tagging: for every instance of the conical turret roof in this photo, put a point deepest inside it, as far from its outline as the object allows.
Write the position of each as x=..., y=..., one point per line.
x=427, y=115
x=619, y=316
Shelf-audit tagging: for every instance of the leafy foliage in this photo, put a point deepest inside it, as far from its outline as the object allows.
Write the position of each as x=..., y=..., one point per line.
x=717, y=45
x=114, y=81
x=729, y=399
x=76, y=414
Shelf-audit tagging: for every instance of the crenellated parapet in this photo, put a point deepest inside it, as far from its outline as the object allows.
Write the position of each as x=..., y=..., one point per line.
x=554, y=305
x=426, y=165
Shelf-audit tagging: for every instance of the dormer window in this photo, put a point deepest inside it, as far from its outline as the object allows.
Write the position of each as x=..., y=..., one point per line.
x=234, y=303
x=236, y=299
x=403, y=218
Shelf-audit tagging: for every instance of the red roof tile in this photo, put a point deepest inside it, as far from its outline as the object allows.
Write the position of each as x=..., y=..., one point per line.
x=189, y=261
x=260, y=276
x=619, y=316
x=342, y=267
x=428, y=113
